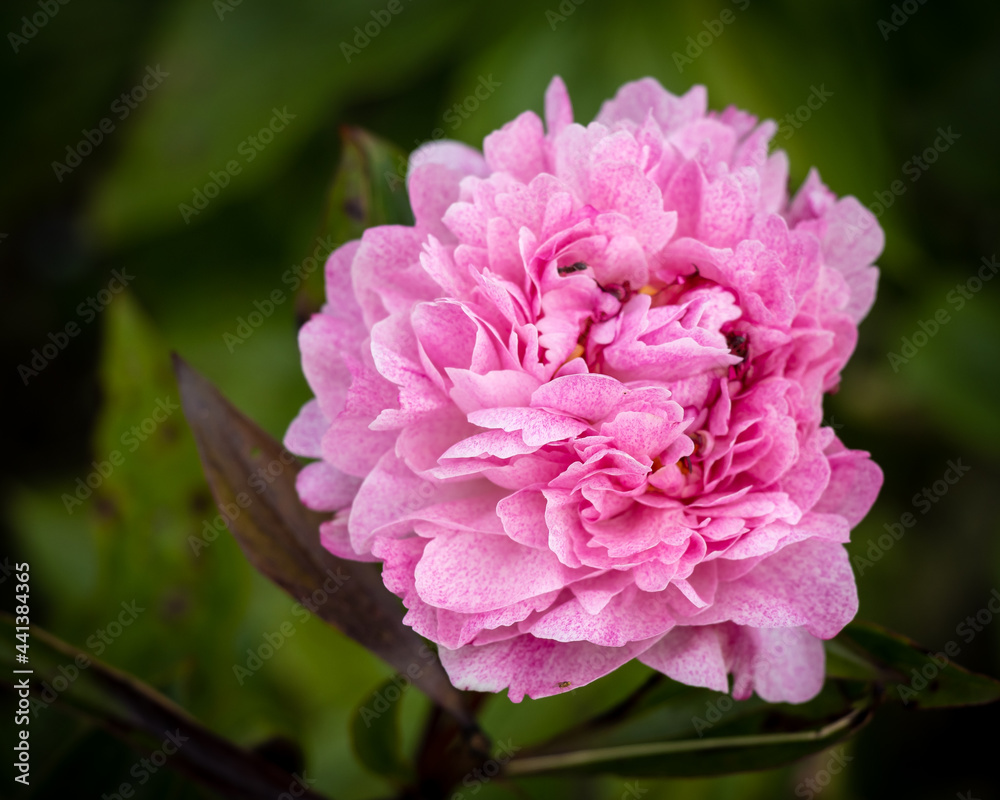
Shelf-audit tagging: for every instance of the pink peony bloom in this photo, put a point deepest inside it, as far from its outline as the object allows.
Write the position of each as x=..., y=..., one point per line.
x=576, y=410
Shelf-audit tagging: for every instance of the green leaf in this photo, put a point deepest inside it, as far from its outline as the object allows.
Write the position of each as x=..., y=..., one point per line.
x=140, y=716
x=915, y=676
x=139, y=537
x=369, y=187
x=280, y=538
x=681, y=731
x=375, y=734
x=843, y=661
x=654, y=732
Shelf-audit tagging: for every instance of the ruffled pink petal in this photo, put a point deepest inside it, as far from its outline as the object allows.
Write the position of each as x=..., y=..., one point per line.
x=518, y=148
x=782, y=665
x=634, y=101
x=323, y=487
x=349, y=443
x=504, y=572
x=558, y=108
x=323, y=341
x=436, y=170
x=808, y=584
x=629, y=616
x=306, y=431
x=691, y=654
x=526, y=665
x=388, y=499
x=536, y=425
x=387, y=274
x=587, y=397
x=855, y=481
x=333, y=535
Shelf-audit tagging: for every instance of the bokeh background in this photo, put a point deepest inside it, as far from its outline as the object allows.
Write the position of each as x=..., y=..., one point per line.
x=892, y=82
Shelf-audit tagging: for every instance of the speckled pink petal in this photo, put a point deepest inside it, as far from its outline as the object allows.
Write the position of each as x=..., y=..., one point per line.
x=558, y=108
x=506, y=573
x=456, y=630
x=690, y=654
x=333, y=535
x=536, y=425
x=387, y=274
x=782, y=665
x=458, y=157
x=322, y=341
x=499, y=444
x=637, y=99
x=387, y=496
x=621, y=186
x=306, y=431
x=589, y=397
x=518, y=148
x=323, y=487
x=808, y=584
x=349, y=443
x=473, y=391
x=853, y=240
x=533, y=667
x=854, y=484
x=341, y=303
x=595, y=593
x=629, y=616
x=431, y=189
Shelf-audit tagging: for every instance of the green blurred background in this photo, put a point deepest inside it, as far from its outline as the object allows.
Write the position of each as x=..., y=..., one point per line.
x=229, y=65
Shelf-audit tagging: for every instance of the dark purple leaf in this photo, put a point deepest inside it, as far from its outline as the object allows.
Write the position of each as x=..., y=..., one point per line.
x=280, y=537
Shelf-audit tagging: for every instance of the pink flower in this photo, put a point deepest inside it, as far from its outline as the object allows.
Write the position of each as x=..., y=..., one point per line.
x=576, y=410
